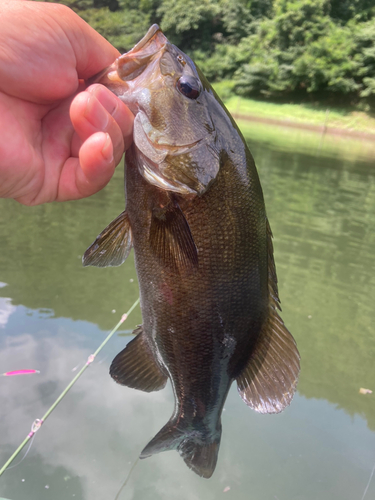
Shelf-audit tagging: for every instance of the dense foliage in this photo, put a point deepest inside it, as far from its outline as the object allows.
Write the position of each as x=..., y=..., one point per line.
x=270, y=48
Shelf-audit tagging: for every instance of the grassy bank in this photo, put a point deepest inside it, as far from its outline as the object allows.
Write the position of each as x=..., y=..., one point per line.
x=314, y=115
x=305, y=141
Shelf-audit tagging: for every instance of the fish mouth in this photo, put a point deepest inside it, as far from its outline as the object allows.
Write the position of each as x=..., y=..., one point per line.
x=153, y=30
x=131, y=64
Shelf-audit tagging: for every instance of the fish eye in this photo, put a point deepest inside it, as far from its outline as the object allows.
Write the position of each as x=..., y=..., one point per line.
x=189, y=86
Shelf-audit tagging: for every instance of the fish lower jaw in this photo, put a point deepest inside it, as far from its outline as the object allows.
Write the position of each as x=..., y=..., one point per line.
x=158, y=180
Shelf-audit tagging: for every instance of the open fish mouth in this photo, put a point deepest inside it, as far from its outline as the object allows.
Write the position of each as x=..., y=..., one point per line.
x=131, y=64
x=153, y=30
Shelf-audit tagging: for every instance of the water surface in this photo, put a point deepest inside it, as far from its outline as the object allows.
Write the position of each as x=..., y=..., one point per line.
x=320, y=200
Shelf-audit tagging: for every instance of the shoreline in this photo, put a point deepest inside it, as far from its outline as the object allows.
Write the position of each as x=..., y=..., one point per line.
x=322, y=129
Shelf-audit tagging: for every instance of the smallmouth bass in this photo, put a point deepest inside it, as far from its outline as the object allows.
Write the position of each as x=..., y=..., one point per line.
x=196, y=218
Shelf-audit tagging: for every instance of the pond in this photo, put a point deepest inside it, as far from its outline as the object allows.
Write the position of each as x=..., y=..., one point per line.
x=320, y=199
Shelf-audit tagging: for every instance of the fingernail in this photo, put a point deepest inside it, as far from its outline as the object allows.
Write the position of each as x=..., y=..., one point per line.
x=96, y=114
x=107, y=150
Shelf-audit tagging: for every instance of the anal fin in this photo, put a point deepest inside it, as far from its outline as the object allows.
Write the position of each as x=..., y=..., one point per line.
x=136, y=367
x=112, y=246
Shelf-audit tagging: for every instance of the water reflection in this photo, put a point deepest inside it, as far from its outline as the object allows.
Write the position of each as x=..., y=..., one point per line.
x=41, y=258
x=322, y=213
x=54, y=313
x=41, y=480
x=86, y=448
x=97, y=429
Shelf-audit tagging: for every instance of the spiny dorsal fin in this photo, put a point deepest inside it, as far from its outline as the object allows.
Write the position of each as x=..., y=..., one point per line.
x=268, y=381
x=112, y=246
x=136, y=367
x=171, y=239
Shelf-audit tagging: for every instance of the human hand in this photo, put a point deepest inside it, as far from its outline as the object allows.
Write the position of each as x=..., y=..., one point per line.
x=46, y=51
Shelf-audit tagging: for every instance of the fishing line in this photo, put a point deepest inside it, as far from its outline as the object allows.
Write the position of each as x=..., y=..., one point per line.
x=127, y=479
x=38, y=422
x=368, y=484
x=23, y=458
x=102, y=360
x=74, y=370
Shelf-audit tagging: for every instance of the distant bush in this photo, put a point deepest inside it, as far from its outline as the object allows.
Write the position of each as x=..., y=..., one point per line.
x=224, y=89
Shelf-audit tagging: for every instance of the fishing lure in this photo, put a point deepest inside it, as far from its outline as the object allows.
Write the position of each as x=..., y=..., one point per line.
x=19, y=372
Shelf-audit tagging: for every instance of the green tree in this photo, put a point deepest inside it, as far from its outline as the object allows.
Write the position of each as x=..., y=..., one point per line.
x=344, y=10
x=364, y=39
x=277, y=43
x=122, y=22
x=269, y=48
x=327, y=64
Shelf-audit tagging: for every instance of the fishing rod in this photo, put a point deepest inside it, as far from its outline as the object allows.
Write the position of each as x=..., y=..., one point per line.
x=38, y=422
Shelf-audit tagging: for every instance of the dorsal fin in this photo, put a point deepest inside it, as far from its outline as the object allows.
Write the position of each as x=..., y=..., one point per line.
x=268, y=381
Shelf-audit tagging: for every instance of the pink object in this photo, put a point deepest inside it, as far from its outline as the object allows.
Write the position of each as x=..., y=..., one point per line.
x=20, y=372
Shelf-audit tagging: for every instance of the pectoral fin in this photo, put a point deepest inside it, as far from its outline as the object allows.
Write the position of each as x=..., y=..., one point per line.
x=268, y=381
x=135, y=366
x=112, y=246
x=171, y=238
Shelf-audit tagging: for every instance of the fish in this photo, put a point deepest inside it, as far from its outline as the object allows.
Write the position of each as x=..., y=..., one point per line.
x=196, y=218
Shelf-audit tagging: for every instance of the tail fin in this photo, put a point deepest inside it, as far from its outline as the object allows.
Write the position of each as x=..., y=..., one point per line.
x=198, y=448
x=201, y=457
